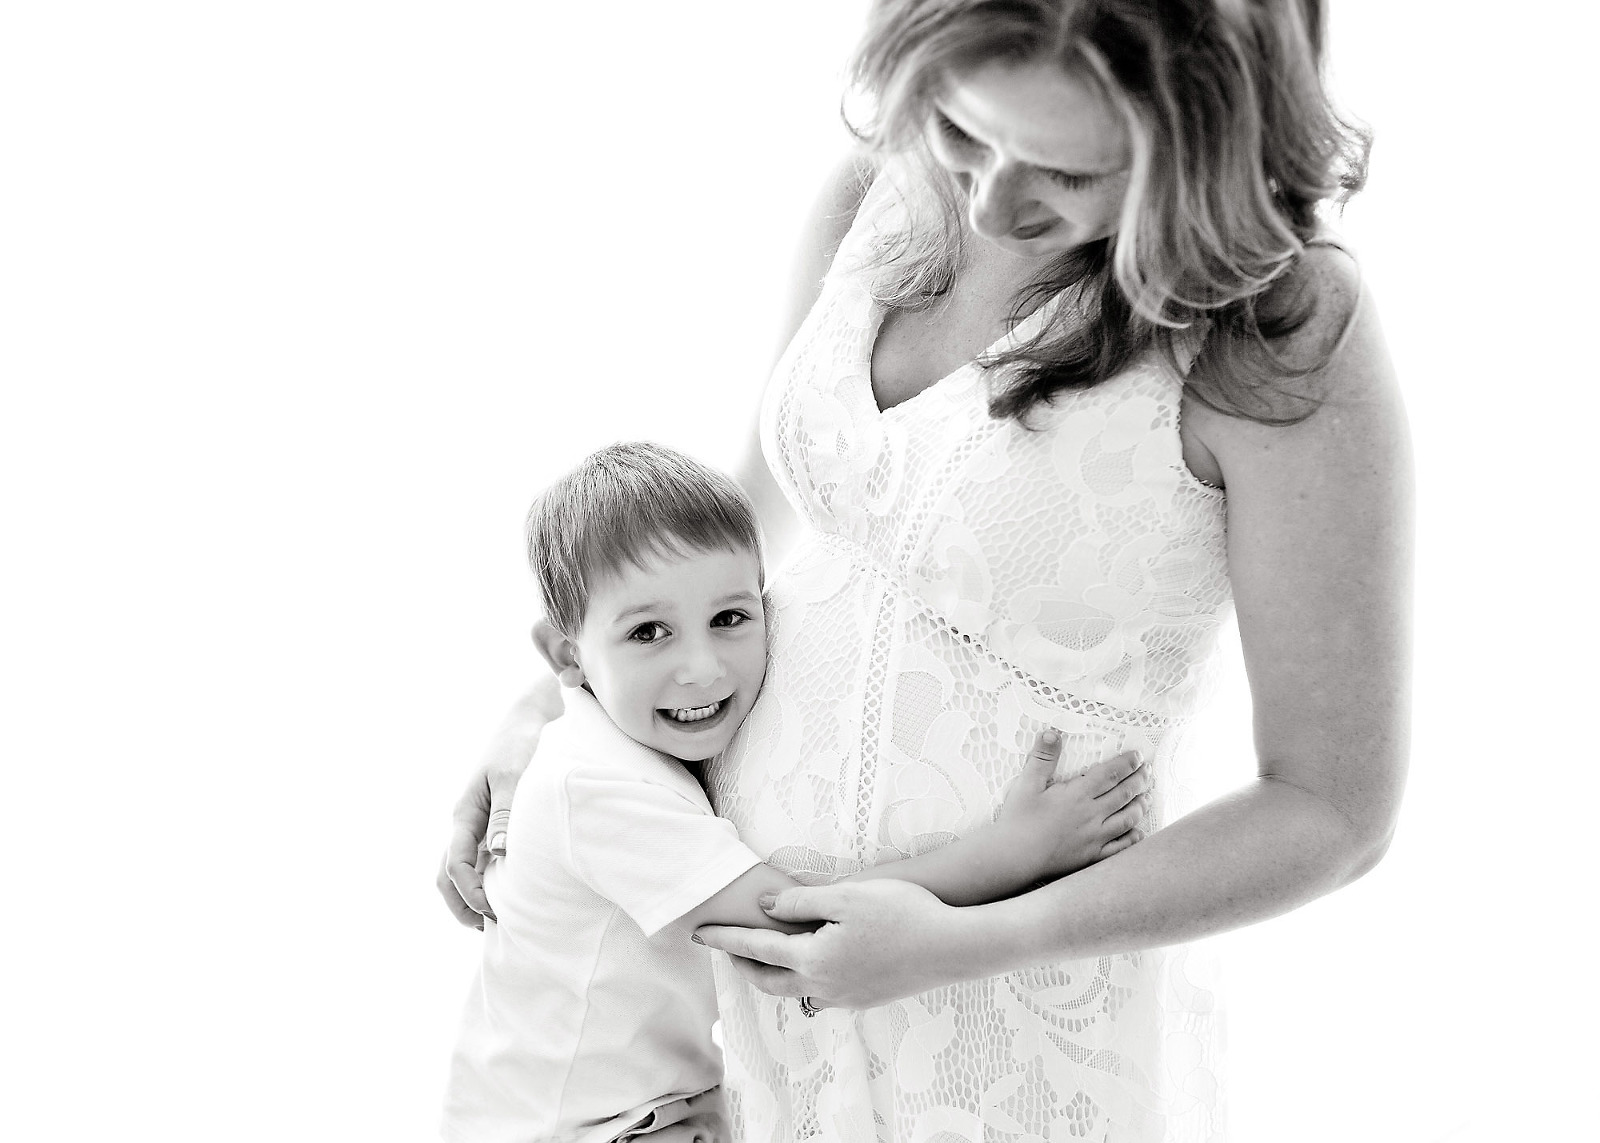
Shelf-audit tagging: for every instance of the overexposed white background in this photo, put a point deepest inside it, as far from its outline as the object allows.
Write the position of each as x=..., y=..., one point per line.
x=300, y=303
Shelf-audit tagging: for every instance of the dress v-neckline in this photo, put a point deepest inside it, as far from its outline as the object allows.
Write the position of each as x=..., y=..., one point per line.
x=880, y=314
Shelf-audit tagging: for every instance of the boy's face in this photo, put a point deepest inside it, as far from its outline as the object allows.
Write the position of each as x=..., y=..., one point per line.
x=675, y=651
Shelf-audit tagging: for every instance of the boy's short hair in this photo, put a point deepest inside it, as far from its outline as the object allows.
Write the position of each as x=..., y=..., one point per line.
x=625, y=504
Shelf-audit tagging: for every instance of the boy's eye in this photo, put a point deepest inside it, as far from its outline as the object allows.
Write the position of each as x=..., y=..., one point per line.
x=730, y=618
x=648, y=632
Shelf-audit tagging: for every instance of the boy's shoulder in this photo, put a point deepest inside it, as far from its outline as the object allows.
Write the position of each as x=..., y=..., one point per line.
x=584, y=745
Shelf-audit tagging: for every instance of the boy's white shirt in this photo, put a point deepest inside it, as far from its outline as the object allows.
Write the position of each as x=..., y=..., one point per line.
x=591, y=1007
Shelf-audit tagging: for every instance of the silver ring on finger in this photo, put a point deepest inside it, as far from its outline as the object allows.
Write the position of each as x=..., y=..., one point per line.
x=808, y=1007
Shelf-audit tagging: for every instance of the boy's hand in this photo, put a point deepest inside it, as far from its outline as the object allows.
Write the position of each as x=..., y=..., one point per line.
x=1073, y=823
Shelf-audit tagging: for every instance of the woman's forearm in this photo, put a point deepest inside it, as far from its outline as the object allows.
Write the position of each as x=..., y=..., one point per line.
x=1251, y=855
x=545, y=697
x=519, y=730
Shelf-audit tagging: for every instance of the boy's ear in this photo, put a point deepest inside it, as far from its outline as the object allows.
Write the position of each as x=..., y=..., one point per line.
x=560, y=652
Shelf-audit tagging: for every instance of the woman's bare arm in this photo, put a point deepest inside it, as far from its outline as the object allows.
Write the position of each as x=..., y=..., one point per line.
x=1319, y=545
x=829, y=221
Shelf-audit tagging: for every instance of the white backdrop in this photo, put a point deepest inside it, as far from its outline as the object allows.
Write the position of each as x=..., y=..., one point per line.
x=302, y=302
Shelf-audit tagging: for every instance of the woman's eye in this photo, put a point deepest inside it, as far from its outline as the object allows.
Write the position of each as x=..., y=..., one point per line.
x=730, y=618
x=952, y=134
x=1067, y=181
x=648, y=633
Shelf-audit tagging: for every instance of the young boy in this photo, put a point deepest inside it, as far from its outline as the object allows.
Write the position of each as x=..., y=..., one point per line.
x=591, y=1017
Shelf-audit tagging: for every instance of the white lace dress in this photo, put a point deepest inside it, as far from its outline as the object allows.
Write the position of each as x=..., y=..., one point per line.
x=966, y=582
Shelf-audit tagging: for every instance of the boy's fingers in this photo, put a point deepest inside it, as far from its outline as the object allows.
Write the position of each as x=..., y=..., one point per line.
x=1042, y=759
x=1115, y=845
x=1113, y=772
x=1127, y=818
x=1118, y=844
x=1135, y=785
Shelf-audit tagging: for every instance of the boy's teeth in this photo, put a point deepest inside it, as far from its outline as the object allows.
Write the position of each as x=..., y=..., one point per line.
x=696, y=713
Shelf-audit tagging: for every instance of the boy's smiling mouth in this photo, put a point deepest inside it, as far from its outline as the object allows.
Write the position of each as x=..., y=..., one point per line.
x=689, y=715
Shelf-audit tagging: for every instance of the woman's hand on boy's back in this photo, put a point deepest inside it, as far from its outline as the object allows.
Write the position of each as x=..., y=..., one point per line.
x=1066, y=825
x=477, y=824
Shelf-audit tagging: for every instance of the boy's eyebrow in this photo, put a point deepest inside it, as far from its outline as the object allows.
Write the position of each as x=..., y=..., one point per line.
x=656, y=605
x=639, y=609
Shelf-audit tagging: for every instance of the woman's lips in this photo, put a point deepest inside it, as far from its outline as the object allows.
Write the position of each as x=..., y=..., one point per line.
x=1033, y=229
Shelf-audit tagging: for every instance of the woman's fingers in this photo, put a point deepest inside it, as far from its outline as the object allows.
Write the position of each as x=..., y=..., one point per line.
x=768, y=978
x=788, y=952
x=454, y=901
x=807, y=904
x=776, y=981
x=460, y=880
x=494, y=837
x=466, y=879
x=769, y=947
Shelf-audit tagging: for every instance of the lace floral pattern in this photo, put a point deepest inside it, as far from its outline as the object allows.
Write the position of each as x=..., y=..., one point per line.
x=966, y=583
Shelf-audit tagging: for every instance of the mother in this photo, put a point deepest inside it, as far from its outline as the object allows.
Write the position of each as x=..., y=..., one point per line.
x=1085, y=291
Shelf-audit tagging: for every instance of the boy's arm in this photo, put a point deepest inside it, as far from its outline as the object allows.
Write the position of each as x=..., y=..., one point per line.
x=1045, y=830
x=738, y=902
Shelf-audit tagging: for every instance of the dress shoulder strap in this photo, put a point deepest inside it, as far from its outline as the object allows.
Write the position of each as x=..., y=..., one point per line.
x=874, y=216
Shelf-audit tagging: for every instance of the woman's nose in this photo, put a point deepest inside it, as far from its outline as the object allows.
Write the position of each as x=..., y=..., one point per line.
x=996, y=195
x=700, y=665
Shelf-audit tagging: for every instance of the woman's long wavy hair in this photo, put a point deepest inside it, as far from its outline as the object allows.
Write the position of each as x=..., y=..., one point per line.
x=1235, y=145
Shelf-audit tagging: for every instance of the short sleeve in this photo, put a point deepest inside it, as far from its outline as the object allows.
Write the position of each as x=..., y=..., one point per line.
x=647, y=848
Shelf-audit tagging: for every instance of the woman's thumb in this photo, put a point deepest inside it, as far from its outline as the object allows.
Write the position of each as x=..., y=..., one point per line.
x=494, y=836
x=801, y=904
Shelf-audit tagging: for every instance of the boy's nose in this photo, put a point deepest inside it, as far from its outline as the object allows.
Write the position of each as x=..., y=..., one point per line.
x=700, y=667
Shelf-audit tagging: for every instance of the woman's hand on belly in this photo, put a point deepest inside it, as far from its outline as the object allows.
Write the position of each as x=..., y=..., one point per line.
x=904, y=937
x=882, y=940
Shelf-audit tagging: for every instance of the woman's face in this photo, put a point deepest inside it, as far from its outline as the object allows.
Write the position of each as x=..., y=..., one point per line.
x=1042, y=155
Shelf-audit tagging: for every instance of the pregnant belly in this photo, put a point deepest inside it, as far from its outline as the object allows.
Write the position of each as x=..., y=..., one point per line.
x=879, y=733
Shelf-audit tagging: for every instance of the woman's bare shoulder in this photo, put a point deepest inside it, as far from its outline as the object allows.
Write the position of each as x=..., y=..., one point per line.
x=840, y=196
x=1336, y=355
x=832, y=214
x=1326, y=287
